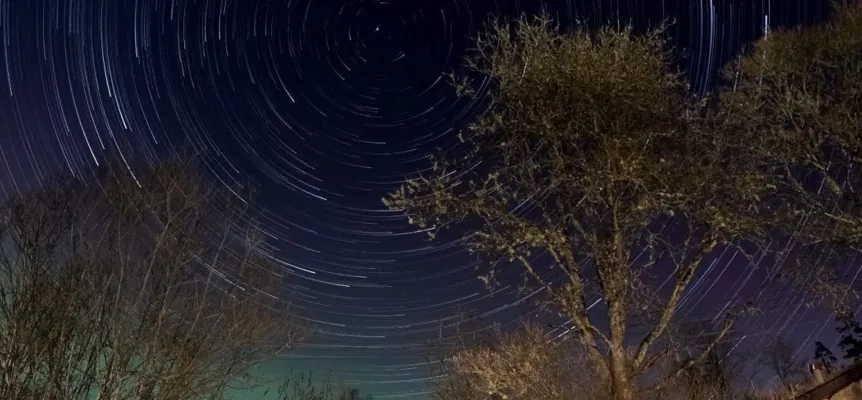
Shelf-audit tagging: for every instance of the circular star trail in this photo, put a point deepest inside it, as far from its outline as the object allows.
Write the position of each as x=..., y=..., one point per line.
x=324, y=106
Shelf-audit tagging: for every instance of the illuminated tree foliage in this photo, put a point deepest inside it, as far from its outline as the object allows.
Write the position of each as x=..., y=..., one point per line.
x=594, y=158
x=796, y=100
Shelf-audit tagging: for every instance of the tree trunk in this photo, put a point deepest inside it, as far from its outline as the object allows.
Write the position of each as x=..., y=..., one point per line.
x=622, y=386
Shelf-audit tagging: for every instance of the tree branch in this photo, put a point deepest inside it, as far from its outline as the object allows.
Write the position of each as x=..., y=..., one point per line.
x=578, y=311
x=728, y=322
x=684, y=278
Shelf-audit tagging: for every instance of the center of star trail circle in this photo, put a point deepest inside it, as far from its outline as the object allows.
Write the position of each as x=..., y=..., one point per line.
x=382, y=34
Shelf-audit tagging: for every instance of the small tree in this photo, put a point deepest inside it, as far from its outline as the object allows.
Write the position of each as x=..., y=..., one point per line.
x=304, y=387
x=147, y=286
x=825, y=357
x=350, y=394
x=778, y=357
x=715, y=376
x=520, y=364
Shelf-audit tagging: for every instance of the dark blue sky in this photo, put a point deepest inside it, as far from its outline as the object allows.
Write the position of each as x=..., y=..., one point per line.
x=324, y=106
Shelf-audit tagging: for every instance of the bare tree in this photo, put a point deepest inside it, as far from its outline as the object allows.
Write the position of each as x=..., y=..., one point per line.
x=779, y=357
x=717, y=376
x=304, y=387
x=155, y=285
x=594, y=159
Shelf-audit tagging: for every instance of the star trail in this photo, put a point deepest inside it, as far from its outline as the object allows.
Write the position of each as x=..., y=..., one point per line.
x=324, y=106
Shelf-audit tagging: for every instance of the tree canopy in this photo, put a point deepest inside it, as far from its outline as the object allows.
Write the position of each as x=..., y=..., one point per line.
x=594, y=158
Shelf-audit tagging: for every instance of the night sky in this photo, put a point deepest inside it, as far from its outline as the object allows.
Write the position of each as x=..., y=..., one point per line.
x=325, y=106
